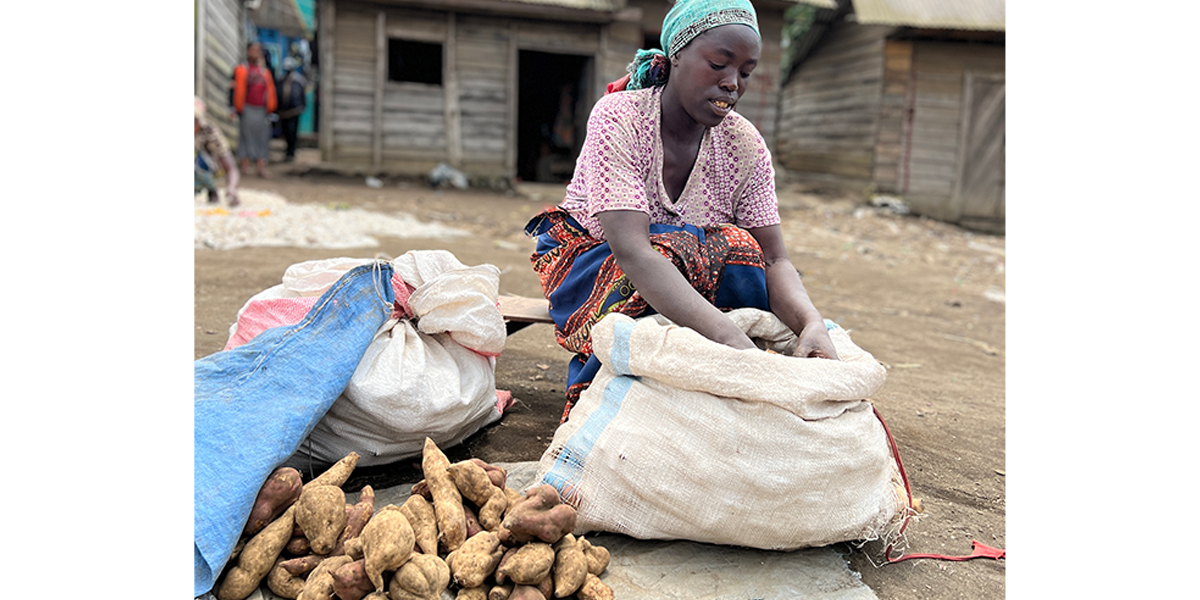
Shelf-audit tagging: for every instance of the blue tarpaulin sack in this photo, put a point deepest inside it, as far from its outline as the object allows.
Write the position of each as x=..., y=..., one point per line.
x=255, y=404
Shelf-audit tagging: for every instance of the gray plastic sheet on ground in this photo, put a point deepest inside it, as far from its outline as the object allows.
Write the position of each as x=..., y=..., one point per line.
x=671, y=570
x=679, y=570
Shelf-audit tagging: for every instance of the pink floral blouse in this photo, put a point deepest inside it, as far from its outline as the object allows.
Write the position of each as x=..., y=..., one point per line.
x=620, y=167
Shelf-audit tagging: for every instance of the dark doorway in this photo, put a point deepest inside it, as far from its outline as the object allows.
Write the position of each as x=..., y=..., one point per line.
x=553, y=100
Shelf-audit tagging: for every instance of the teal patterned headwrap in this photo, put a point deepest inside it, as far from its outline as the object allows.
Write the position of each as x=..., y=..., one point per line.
x=686, y=20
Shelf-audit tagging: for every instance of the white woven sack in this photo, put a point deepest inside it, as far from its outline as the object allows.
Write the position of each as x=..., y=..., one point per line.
x=433, y=376
x=409, y=385
x=679, y=437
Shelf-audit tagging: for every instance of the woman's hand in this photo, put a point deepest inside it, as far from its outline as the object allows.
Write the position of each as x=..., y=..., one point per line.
x=815, y=342
x=789, y=300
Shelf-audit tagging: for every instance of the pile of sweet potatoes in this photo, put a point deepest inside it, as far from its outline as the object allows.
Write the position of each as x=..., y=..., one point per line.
x=462, y=529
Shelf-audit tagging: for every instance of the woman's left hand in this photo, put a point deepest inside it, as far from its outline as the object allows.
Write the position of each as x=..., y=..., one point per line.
x=815, y=342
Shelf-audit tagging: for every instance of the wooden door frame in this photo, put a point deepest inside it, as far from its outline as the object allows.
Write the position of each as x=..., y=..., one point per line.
x=964, y=133
x=514, y=52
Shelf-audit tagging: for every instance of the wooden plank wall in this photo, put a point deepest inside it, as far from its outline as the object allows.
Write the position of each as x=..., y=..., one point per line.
x=414, y=114
x=830, y=107
x=979, y=189
x=470, y=118
x=621, y=43
x=761, y=103
x=220, y=47
x=561, y=37
x=891, y=148
x=483, y=65
x=352, y=114
x=939, y=69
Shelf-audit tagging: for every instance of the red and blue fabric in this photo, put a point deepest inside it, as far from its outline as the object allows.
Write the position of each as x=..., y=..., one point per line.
x=583, y=283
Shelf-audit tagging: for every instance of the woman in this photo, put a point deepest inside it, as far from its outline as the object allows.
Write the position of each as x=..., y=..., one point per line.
x=254, y=98
x=672, y=208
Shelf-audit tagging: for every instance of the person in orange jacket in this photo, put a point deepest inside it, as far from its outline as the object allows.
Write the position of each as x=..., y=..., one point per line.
x=253, y=99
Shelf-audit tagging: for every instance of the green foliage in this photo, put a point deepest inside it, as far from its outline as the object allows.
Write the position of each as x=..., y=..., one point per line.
x=797, y=20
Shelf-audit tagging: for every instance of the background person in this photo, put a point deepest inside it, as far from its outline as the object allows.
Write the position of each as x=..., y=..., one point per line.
x=213, y=157
x=291, y=104
x=253, y=99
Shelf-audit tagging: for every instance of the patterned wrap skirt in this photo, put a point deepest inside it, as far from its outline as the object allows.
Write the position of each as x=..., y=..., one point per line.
x=581, y=279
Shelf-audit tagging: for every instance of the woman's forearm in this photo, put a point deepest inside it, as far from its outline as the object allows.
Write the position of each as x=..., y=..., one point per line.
x=661, y=284
x=789, y=300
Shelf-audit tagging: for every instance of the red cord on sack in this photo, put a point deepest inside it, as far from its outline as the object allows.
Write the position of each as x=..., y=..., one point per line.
x=979, y=549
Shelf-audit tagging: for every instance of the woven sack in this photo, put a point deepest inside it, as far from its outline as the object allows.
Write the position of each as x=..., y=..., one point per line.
x=679, y=437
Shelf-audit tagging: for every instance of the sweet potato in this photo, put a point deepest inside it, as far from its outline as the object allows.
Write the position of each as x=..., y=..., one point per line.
x=419, y=513
x=257, y=558
x=474, y=593
x=513, y=497
x=597, y=556
x=541, y=515
x=546, y=587
x=353, y=548
x=336, y=474
x=298, y=546
x=447, y=501
x=387, y=542
x=500, y=591
x=283, y=583
x=530, y=564
x=570, y=566
x=281, y=490
x=321, y=513
x=423, y=577
x=303, y=565
x=350, y=581
x=594, y=589
x=526, y=592
x=498, y=475
x=421, y=488
x=475, y=485
x=287, y=577
x=237, y=550
x=477, y=558
x=319, y=585
x=472, y=522
x=357, y=515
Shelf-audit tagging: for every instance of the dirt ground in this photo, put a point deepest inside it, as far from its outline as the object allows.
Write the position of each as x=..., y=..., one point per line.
x=925, y=298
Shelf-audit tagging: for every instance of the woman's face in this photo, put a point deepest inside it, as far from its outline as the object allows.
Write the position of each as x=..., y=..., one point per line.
x=709, y=74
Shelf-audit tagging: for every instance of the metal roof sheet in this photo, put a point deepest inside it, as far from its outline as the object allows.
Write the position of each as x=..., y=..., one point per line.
x=819, y=3
x=597, y=5
x=985, y=15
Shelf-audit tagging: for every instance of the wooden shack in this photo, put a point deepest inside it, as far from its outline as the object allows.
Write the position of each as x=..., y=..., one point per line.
x=499, y=89
x=905, y=97
x=220, y=35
